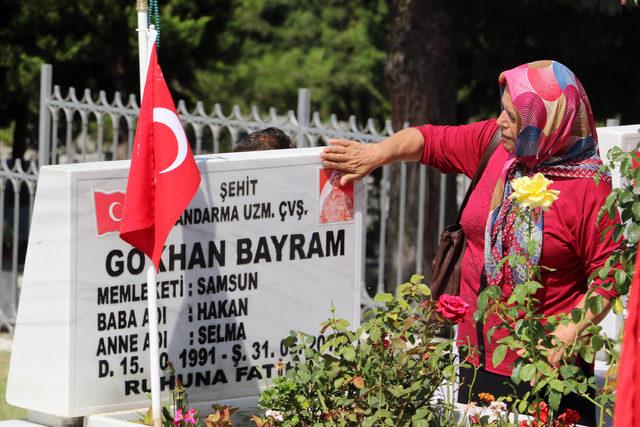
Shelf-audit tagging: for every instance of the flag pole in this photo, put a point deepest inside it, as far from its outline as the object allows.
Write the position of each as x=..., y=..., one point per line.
x=152, y=301
x=142, y=8
x=154, y=357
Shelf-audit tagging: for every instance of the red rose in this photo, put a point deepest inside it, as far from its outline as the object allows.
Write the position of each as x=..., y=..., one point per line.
x=568, y=418
x=386, y=341
x=452, y=308
x=542, y=413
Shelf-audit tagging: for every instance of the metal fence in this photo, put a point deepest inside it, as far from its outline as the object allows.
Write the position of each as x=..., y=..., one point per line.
x=73, y=129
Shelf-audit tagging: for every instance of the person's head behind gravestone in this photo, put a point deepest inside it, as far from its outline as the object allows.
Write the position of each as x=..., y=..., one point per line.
x=265, y=139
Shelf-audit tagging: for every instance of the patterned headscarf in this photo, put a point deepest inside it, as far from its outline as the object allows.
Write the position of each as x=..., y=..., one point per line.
x=556, y=137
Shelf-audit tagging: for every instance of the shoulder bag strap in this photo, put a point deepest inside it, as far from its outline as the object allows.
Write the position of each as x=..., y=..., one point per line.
x=491, y=148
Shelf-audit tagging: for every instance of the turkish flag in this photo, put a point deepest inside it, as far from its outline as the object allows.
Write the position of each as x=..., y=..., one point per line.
x=627, y=409
x=163, y=177
x=108, y=210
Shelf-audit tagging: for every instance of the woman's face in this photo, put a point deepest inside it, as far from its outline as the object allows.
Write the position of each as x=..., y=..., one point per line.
x=508, y=122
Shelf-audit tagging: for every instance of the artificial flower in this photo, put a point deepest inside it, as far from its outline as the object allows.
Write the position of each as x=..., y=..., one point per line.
x=189, y=418
x=486, y=398
x=533, y=192
x=280, y=367
x=498, y=407
x=178, y=418
x=276, y=415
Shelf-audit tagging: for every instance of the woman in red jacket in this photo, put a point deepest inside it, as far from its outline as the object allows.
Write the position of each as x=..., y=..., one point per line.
x=546, y=126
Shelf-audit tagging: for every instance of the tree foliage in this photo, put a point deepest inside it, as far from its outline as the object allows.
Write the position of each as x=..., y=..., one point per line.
x=261, y=51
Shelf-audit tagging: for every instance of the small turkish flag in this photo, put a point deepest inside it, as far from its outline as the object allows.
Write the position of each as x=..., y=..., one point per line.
x=163, y=177
x=108, y=210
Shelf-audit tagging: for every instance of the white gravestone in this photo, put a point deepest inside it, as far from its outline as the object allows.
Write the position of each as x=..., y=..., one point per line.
x=266, y=246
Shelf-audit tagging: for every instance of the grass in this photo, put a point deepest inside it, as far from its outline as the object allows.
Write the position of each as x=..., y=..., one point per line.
x=7, y=412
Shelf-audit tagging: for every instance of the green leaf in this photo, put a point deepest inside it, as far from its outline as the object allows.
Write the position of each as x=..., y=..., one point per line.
x=618, y=307
x=633, y=233
x=383, y=297
x=424, y=290
x=398, y=343
x=515, y=374
x=587, y=354
x=610, y=205
x=397, y=390
x=522, y=406
x=620, y=276
x=576, y=315
x=557, y=385
x=416, y=279
x=483, y=299
x=498, y=354
x=349, y=353
x=597, y=342
x=567, y=371
x=374, y=334
x=527, y=372
x=554, y=399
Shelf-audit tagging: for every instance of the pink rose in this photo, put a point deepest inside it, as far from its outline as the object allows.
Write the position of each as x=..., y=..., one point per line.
x=452, y=308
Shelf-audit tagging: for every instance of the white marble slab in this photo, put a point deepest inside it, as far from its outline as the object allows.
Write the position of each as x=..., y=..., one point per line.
x=79, y=344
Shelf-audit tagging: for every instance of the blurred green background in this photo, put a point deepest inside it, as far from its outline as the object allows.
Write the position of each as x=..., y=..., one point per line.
x=261, y=51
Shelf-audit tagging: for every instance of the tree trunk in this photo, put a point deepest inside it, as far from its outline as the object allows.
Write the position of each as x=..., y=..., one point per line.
x=421, y=77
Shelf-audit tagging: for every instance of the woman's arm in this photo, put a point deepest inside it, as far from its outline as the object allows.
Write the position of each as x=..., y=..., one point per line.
x=567, y=333
x=358, y=160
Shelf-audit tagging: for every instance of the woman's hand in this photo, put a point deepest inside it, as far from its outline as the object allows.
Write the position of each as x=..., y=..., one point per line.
x=566, y=335
x=357, y=160
x=563, y=334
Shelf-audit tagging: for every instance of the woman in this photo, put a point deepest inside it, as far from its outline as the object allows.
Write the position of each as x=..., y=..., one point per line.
x=546, y=126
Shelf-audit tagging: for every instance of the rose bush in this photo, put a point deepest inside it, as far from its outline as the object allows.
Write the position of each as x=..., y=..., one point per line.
x=531, y=334
x=386, y=372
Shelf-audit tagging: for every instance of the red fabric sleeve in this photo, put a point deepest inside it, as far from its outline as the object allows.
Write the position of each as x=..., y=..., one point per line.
x=456, y=149
x=592, y=248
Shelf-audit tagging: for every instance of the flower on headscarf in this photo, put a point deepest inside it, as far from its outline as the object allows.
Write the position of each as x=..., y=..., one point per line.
x=533, y=192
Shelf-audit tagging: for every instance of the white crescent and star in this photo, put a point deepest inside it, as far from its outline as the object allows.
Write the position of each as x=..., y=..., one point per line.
x=171, y=120
x=112, y=215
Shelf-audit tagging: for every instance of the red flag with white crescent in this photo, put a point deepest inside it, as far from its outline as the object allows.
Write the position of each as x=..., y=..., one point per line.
x=163, y=177
x=627, y=409
x=108, y=210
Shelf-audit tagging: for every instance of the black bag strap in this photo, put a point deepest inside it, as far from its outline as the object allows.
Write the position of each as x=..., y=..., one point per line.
x=491, y=148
